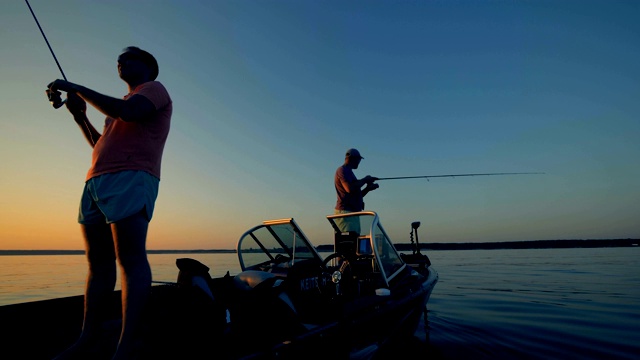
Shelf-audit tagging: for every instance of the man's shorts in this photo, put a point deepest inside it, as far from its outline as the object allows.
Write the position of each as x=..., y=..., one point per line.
x=112, y=197
x=347, y=223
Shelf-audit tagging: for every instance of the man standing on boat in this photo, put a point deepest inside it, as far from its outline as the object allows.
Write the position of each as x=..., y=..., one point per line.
x=349, y=190
x=119, y=194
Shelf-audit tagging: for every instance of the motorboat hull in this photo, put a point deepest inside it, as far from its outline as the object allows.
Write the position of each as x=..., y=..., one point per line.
x=288, y=302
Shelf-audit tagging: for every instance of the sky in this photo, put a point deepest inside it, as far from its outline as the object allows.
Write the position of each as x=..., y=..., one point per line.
x=268, y=95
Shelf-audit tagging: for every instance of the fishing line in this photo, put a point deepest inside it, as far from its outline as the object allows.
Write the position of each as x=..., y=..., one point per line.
x=456, y=175
x=45, y=39
x=54, y=96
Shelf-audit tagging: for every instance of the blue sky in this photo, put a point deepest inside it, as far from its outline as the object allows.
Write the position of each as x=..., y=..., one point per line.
x=268, y=95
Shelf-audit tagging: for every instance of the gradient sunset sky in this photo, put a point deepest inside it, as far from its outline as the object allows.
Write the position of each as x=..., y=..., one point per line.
x=268, y=96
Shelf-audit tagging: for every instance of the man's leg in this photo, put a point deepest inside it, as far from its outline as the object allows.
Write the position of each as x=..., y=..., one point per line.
x=130, y=236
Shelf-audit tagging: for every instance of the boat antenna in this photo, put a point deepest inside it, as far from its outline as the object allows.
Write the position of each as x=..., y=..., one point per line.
x=455, y=175
x=54, y=97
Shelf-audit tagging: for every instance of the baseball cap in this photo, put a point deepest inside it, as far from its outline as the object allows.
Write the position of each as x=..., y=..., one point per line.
x=353, y=153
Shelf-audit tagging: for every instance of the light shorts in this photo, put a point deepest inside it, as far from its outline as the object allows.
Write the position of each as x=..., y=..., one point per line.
x=112, y=197
x=347, y=223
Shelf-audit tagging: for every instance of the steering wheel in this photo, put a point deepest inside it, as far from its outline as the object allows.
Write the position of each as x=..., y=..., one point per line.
x=281, y=259
x=340, y=272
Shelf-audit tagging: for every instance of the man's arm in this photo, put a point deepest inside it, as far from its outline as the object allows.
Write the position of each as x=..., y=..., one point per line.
x=358, y=184
x=370, y=187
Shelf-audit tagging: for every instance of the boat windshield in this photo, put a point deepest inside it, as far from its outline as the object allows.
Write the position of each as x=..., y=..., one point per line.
x=275, y=242
x=372, y=240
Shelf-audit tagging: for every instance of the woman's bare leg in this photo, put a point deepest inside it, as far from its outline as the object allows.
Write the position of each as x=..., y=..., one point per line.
x=100, y=284
x=130, y=236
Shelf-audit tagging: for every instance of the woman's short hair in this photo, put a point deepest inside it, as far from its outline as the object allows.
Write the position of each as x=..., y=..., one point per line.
x=147, y=59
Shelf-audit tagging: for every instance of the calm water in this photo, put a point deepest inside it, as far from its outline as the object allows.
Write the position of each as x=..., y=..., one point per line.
x=488, y=304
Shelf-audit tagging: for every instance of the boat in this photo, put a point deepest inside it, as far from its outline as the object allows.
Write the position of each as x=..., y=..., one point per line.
x=287, y=302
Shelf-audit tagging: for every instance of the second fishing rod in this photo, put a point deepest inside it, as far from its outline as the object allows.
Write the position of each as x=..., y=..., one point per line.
x=456, y=175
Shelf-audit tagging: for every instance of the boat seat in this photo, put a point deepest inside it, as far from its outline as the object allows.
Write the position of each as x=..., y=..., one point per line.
x=305, y=285
x=258, y=300
x=260, y=281
x=251, y=279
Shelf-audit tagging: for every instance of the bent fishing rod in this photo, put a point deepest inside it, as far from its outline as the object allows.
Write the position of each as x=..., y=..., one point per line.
x=54, y=96
x=456, y=175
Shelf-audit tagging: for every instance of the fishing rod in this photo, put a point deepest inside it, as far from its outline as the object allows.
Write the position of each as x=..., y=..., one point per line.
x=54, y=96
x=456, y=175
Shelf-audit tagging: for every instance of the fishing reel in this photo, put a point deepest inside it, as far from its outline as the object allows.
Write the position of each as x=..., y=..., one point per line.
x=55, y=98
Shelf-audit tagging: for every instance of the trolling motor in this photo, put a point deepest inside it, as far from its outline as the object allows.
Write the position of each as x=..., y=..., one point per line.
x=418, y=261
x=54, y=97
x=414, y=231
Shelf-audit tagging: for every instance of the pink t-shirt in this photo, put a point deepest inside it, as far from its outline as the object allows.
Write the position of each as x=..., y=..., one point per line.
x=136, y=145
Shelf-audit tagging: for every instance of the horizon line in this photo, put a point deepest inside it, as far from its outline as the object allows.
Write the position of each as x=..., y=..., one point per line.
x=630, y=241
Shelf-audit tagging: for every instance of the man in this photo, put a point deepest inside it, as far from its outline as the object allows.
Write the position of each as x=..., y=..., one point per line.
x=349, y=190
x=119, y=194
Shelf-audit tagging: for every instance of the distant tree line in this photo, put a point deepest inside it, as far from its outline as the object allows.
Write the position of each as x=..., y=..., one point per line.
x=532, y=244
